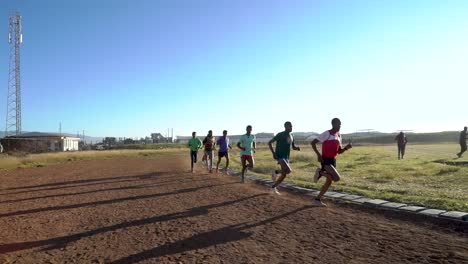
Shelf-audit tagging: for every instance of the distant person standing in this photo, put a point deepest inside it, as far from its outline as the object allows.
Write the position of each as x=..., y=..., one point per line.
x=209, y=142
x=462, y=142
x=247, y=145
x=195, y=144
x=331, y=147
x=223, y=151
x=401, y=142
x=284, y=140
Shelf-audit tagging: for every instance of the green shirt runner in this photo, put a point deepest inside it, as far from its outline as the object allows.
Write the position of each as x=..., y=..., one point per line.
x=247, y=143
x=283, y=144
x=195, y=144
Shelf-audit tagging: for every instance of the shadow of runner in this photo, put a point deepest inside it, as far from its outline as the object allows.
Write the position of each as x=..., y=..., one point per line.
x=453, y=163
x=72, y=206
x=141, y=186
x=68, y=187
x=143, y=176
x=215, y=237
x=59, y=242
x=131, y=179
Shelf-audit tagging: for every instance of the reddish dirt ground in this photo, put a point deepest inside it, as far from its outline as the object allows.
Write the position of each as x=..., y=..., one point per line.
x=141, y=210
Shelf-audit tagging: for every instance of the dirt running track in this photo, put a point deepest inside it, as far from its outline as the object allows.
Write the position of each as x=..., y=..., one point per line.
x=154, y=211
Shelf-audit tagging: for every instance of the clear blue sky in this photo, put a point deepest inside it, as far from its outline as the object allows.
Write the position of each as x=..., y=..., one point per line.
x=129, y=68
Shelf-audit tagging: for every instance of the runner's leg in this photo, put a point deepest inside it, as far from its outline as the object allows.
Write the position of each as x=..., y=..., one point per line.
x=210, y=157
x=227, y=163
x=250, y=165
x=285, y=169
x=192, y=161
x=244, y=167
x=217, y=164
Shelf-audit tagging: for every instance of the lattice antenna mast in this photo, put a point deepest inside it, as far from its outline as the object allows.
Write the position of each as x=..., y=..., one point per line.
x=15, y=38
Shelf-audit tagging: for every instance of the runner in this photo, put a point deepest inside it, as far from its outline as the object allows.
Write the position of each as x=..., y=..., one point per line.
x=247, y=145
x=195, y=144
x=284, y=140
x=331, y=146
x=209, y=142
x=224, y=146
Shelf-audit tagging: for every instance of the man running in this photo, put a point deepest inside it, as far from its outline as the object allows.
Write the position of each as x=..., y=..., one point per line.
x=224, y=146
x=462, y=142
x=284, y=140
x=195, y=144
x=209, y=142
x=331, y=146
x=247, y=145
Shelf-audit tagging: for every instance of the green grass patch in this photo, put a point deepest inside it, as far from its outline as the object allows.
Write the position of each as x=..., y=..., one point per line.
x=45, y=159
x=430, y=175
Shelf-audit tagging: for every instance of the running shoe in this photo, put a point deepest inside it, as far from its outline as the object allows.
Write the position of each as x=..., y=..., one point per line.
x=275, y=191
x=319, y=202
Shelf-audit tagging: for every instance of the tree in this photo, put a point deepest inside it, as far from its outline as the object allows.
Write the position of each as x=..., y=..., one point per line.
x=129, y=141
x=109, y=141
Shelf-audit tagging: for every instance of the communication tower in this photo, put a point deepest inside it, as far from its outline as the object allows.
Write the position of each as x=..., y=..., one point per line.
x=15, y=38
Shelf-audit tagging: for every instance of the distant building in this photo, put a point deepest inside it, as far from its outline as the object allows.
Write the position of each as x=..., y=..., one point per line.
x=159, y=138
x=37, y=142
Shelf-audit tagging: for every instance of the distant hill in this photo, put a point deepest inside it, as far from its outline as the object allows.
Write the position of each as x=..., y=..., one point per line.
x=375, y=137
x=389, y=138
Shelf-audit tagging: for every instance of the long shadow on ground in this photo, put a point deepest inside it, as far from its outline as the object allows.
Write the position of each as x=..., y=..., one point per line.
x=453, y=163
x=73, y=184
x=144, y=176
x=141, y=186
x=59, y=242
x=72, y=206
x=215, y=237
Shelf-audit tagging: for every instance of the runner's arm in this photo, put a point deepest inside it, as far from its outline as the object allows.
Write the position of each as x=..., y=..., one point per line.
x=270, y=145
x=295, y=148
x=341, y=150
x=314, y=147
x=200, y=144
x=239, y=145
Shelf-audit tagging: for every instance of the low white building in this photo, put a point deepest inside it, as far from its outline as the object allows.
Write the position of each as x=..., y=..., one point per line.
x=36, y=142
x=69, y=144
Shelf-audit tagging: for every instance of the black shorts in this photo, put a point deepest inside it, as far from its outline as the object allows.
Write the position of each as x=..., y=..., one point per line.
x=193, y=156
x=328, y=161
x=222, y=154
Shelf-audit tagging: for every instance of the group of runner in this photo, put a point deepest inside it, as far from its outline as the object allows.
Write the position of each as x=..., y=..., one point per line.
x=331, y=146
